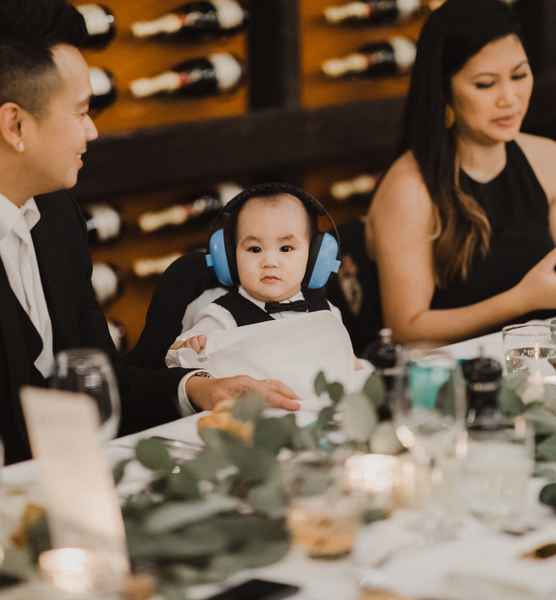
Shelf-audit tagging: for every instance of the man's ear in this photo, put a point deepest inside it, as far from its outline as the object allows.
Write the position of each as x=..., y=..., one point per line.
x=11, y=119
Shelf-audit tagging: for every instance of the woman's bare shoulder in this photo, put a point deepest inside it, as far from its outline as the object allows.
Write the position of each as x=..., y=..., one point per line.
x=403, y=187
x=541, y=154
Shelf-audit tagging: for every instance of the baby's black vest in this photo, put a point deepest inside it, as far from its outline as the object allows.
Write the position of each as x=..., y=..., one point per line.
x=246, y=312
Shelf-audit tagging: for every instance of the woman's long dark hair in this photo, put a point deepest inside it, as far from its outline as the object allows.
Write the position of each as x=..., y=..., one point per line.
x=450, y=37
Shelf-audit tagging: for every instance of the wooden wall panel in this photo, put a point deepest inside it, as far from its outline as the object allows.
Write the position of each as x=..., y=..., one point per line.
x=321, y=41
x=130, y=58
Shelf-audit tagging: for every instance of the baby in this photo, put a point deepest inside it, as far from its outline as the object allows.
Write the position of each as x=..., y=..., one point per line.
x=276, y=323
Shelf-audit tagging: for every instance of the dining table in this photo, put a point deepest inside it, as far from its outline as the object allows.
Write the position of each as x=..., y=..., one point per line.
x=389, y=560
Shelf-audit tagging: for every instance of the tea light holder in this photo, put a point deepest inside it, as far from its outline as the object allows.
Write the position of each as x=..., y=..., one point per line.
x=79, y=571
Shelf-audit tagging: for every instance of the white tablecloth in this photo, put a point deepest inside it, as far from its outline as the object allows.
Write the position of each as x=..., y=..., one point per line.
x=420, y=572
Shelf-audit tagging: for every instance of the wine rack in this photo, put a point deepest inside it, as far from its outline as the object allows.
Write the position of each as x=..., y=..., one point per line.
x=286, y=121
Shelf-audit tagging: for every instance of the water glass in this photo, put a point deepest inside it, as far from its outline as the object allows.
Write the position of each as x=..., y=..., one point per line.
x=497, y=470
x=323, y=516
x=88, y=371
x=529, y=348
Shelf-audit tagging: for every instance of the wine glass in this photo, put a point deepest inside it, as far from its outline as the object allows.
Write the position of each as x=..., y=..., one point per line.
x=429, y=415
x=88, y=371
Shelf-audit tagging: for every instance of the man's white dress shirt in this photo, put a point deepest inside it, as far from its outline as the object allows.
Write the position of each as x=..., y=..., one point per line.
x=20, y=262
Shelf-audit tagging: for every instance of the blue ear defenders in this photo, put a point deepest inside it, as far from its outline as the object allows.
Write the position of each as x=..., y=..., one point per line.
x=324, y=250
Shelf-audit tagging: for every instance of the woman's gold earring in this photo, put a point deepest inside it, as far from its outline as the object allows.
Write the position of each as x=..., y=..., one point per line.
x=449, y=117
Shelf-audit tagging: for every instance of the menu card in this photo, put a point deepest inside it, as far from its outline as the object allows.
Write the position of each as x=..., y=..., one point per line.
x=81, y=499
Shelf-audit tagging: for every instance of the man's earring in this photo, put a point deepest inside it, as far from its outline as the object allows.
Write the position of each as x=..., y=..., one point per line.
x=449, y=117
x=20, y=147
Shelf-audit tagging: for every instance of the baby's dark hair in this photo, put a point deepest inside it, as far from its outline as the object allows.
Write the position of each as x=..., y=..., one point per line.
x=274, y=197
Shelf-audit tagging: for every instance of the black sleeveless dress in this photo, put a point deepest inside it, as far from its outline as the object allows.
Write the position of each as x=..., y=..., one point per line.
x=517, y=209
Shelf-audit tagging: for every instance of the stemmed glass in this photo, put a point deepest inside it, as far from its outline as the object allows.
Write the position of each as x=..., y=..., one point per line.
x=88, y=371
x=429, y=415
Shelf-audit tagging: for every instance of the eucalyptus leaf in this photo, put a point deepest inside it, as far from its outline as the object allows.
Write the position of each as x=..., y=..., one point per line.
x=154, y=455
x=305, y=438
x=253, y=464
x=509, y=401
x=184, y=484
x=208, y=464
x=274, y=433
x=118, y=471
x=248, y=407
x=374, y=388
x=320, y=383
x=358, y=417
x=335, y=391
x=546, y=450
x=268, y=499
x=548, y=495
x=175, y=515
x=543, y=420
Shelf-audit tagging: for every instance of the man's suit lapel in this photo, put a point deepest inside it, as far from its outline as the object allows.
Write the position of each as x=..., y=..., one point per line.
x=49, y=248
x=10, y=326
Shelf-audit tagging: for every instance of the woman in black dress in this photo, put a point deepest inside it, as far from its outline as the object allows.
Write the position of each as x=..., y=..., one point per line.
x=463, y=224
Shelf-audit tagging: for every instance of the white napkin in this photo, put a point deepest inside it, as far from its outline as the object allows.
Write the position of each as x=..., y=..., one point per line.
x=290, y=350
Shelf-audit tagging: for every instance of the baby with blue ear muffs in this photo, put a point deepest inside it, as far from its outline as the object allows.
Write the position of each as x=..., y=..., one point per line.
x=272, y=320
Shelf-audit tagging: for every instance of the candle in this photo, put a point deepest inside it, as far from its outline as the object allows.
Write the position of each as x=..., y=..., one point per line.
x=373, y=475
x=76, y=570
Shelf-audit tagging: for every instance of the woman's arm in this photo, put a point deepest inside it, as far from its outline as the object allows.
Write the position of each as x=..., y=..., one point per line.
x=400, y=223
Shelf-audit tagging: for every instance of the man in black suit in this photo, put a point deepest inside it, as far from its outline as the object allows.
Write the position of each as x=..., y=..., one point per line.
x=47, y=303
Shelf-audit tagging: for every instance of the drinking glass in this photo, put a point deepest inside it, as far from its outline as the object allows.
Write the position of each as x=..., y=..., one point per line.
x=529, y=348
x=323, y=516
x=429, y=415
x=497, y=469
x=88, y=371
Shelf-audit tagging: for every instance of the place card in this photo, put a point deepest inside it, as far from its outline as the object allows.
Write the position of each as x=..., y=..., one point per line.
x=81, y=499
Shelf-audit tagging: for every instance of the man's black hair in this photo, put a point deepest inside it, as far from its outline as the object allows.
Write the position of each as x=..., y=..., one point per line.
x=28, y=30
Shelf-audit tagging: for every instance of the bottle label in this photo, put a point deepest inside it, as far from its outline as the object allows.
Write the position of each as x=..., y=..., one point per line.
x=105, y=221
x=97, y=21
x=100, y=82
x=197, y=77
x=380, y=59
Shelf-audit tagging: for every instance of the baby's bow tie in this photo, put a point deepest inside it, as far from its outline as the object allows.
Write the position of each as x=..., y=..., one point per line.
x=276, y=307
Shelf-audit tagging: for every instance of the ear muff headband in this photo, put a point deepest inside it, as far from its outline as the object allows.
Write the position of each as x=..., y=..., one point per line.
x=324, y=250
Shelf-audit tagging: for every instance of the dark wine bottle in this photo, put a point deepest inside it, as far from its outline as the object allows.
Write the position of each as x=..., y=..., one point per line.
x=118, y=333
x=149, y=267
x=377, y=59
x=104, y=223
x=375, y=12
x=100, y=24
x=205, y=76
x=108, y=282
x=104, y=91
x=384, y=355
x=358, y=189
x=178, y=214
x=195, y=20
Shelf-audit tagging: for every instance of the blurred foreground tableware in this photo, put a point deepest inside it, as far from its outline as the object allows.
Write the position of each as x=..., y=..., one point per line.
x=323, y=516
x=529, y=348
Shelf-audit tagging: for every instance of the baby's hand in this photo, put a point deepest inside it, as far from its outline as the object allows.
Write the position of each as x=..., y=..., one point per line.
x=196, y=343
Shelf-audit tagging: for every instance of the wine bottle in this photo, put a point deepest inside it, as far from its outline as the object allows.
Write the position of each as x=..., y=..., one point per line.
x=205, y=76
x=195, y=20
x=104, y=223
x=377, y=59
x=103, y=89
x=108, y=281
x=434, y=4
x=118, y=333
x=359, y=188
x=100, y=24
x=384, y=355
x=178, y=214
x=147, y=267
x=376, y=12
